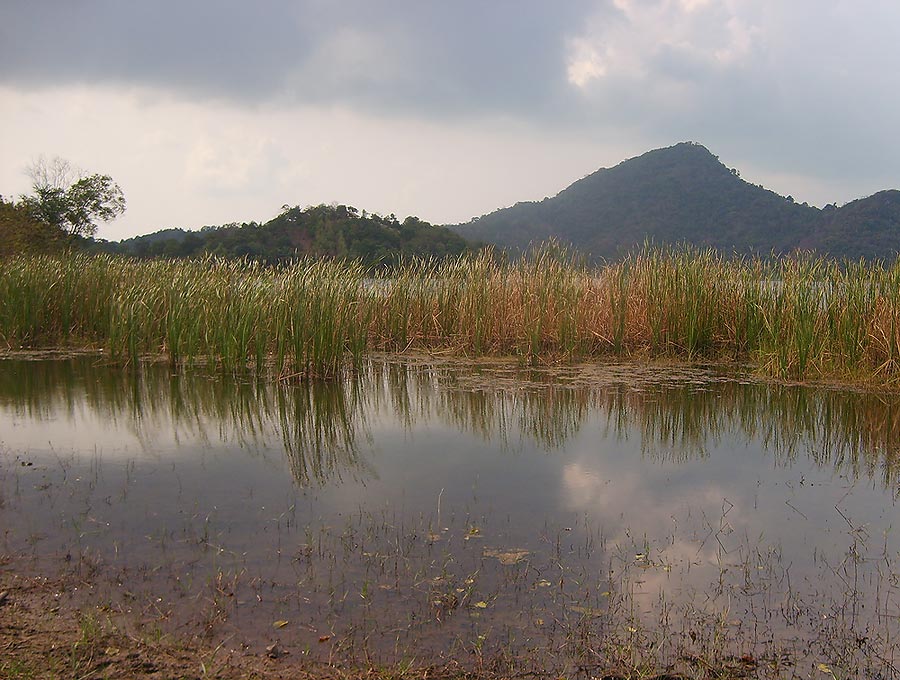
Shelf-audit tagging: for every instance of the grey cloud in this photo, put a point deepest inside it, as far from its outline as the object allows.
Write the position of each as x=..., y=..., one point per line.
x=680, y=64
x=418, y=56
x=816, y=90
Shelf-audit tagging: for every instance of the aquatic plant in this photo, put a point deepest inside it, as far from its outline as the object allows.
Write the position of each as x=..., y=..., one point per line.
x=793, y=318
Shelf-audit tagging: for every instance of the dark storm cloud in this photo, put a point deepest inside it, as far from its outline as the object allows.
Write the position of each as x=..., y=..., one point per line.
x=412, y=55
x=196, y=48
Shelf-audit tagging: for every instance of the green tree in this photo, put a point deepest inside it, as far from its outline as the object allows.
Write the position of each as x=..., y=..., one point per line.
x=69, y=201
x=21, y=233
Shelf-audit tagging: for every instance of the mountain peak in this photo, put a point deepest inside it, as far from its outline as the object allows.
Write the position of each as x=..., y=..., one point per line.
x=684, y=194
x=686, y=149
x=683, y=152
x=684, y=163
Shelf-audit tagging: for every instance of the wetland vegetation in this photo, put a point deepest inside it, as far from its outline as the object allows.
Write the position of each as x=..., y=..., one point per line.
x=624, y=480
x=792, y=319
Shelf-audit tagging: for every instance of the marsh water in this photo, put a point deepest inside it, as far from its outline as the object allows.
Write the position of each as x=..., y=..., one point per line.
x=569, y=518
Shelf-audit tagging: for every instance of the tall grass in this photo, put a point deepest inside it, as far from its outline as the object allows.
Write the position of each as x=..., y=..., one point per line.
x=307, y=319
x=794, y=318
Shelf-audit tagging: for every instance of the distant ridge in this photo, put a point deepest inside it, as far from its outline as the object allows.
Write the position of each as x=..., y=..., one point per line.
x=684, y=194
x=334, y=232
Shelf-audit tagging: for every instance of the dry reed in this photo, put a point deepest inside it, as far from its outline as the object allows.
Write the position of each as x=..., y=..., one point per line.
x=798, y=318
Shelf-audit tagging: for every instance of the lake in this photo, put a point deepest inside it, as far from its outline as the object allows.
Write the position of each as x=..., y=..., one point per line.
x=570, y=518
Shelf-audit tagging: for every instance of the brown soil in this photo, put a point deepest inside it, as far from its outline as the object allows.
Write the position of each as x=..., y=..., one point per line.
x=46, y=634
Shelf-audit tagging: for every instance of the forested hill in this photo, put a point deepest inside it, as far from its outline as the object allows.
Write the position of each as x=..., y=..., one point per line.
x=320, y=231
x=868, y=227
x=683, y=194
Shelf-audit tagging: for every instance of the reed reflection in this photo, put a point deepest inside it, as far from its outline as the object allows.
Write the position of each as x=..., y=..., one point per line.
x=325, y=428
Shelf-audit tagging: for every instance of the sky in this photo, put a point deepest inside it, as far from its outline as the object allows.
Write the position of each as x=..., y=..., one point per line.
x=224, y=111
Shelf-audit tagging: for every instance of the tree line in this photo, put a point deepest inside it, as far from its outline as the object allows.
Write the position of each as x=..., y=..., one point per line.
x=65, y=207
x=338, y=232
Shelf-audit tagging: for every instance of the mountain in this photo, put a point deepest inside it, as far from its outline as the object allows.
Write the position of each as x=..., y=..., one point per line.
x=868, y=227
x=684, y=194
x=336, y=231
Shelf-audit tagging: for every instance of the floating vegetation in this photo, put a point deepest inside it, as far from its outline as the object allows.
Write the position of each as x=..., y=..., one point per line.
x=792, y=318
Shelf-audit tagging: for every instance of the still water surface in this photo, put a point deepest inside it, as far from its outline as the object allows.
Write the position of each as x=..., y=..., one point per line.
x=429, y=510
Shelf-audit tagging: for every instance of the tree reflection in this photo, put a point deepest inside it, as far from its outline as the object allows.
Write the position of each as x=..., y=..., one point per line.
x=324, y=428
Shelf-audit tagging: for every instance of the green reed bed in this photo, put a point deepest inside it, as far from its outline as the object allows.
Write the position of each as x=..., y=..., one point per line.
x=307, y=318
x=796, y=318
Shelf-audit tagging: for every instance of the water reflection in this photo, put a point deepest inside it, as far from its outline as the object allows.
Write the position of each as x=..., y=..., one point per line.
x=609, y=502
x=855, y=432
x=323, y=426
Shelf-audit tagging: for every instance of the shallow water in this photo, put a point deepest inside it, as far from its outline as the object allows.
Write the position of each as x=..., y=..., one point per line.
x=573, y=518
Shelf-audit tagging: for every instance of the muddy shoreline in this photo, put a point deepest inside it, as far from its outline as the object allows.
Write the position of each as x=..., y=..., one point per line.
x=48, y=629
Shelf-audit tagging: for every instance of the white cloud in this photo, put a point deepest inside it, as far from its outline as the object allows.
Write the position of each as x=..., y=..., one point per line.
x=693, y=5
x=742, y=39
x=704, y=33
x=585, y=63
